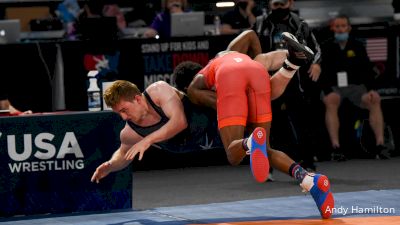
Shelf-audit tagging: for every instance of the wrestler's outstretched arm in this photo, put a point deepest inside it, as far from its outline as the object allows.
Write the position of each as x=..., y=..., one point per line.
x=117, y=162
x=247, y=43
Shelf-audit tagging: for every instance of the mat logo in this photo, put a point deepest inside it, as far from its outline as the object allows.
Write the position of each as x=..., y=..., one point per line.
x=46, y=152
x=260, y=134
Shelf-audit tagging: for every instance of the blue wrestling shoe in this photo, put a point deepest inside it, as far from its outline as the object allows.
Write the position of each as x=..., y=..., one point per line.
x=257, y=146
x=320, y=189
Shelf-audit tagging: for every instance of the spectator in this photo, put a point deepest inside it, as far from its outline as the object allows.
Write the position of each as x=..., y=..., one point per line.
x=348, y=74
x=142, y=14
x=161, y=24
x=113, y=10
x=100, y=19
x=68, y=11
x=240, y=18
x=298, y=105
x=91, y=9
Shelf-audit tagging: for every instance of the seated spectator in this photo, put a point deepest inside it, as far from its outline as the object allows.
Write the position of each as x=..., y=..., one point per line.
x=100, y=20
x=161, y=24
x=68, y=12
x=347, y=73
x=240, y=18
x=113, y=10
x=141, y=14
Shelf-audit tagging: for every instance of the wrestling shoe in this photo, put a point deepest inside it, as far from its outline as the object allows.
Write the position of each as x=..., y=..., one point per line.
x=319, y=187
x=299, y=54
x=257, y=146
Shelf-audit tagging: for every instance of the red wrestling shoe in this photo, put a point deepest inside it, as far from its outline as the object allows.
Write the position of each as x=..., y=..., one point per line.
x=320, y=189
x=257, y=146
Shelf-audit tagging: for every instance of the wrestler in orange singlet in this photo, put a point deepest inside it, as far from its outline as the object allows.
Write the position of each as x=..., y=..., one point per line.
x=243, y=90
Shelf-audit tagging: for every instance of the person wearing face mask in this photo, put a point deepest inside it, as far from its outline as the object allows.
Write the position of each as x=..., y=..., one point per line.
x=161, y=25
x=242, y=17
x=348, y=74
x=300, y=103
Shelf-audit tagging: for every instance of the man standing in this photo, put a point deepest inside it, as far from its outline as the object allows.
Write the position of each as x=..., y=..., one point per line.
x=300, y=103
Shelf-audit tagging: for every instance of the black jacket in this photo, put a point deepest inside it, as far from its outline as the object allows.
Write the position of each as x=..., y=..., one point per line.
x=266, y=29
x=301, y=87
x=353, y=60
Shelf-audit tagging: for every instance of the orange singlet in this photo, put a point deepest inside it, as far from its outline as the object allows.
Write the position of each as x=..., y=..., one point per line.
x=243, y=89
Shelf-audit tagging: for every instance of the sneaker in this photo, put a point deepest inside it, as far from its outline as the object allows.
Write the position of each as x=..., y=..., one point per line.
x=259, y=163
x=381, y=152
x=339, y=157
x=319, y=187
x=299, y=54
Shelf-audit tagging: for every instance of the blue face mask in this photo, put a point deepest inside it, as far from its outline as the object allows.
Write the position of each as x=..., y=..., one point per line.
x=340, y=37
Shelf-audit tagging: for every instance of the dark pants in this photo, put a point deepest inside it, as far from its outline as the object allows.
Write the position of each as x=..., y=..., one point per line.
x=297, y=125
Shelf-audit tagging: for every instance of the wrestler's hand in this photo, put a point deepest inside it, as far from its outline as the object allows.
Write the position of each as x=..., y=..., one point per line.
x=103, y=170
x=139, y=147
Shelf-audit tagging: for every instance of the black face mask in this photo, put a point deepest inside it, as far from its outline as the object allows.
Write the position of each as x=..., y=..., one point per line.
x=279, y=14
x=242, y=5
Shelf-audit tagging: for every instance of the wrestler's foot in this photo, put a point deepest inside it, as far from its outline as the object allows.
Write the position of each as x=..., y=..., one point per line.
x=319, y=187
x=259, y=163
x=299, y=54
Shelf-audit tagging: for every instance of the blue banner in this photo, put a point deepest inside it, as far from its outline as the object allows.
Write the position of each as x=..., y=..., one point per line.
x=47, y=162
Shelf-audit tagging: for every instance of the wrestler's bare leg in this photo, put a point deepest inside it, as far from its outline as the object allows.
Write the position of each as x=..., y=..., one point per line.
x=232, y=137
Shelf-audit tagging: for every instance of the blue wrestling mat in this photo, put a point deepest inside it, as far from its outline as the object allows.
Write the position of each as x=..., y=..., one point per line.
x=366, y=207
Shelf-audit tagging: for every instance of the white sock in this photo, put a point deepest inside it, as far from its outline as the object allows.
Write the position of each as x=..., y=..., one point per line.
x=288, y=70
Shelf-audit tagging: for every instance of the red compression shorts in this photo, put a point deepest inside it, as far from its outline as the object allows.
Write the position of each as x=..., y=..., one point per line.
x=243, y=90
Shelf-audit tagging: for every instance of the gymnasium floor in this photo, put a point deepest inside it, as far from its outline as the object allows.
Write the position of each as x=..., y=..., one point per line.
x=366, y=192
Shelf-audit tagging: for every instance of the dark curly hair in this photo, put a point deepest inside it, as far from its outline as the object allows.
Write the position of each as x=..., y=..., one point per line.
x=184, y=73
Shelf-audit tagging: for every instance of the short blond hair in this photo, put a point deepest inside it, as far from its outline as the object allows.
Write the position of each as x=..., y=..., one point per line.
x=120, y=90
